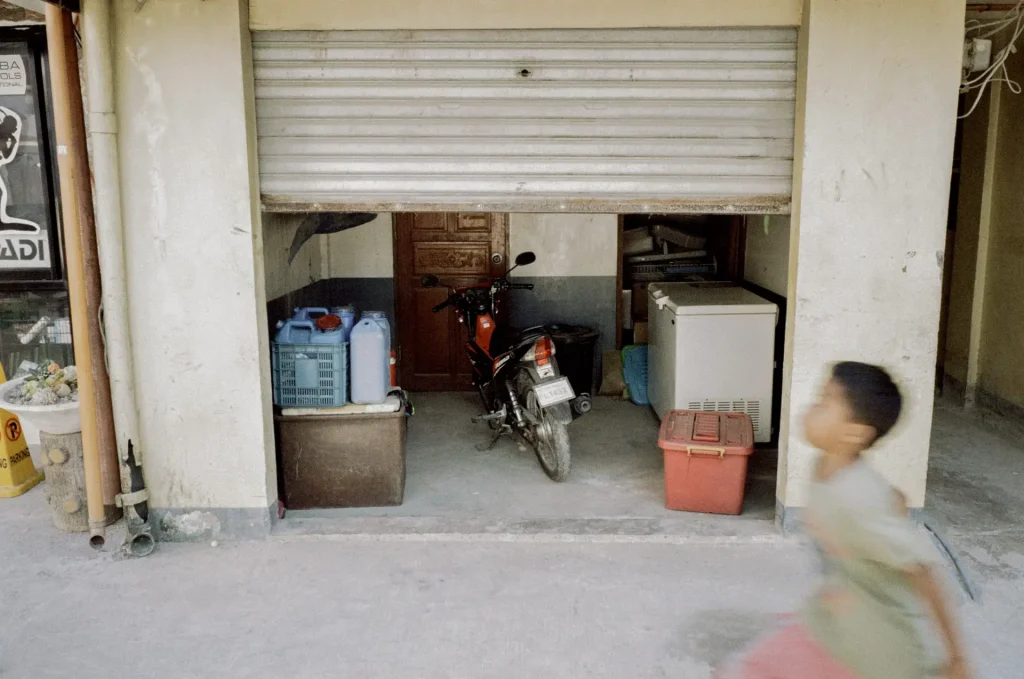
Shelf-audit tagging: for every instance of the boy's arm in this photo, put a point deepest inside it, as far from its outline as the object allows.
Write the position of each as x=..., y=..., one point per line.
x=927, y=586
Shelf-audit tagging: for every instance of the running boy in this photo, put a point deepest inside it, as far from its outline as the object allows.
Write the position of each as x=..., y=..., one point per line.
x=868, y=618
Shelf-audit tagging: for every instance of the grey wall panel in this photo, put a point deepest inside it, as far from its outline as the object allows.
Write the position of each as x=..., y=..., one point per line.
x=578, y=300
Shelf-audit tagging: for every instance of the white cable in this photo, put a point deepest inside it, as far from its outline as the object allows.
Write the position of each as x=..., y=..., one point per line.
x=997, y=72
x=1008, y=22
x=977, y=24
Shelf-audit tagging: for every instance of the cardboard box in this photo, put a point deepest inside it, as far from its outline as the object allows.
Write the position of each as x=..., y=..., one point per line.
x=641, y=333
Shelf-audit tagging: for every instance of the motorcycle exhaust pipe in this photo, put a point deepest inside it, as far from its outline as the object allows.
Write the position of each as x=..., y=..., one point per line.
x=582, y=404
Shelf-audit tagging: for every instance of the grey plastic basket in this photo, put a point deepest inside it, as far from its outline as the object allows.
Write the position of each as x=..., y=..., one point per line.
x=310, y=375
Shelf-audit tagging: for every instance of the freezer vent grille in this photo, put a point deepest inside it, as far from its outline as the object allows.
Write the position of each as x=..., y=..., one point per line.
x=751, y=408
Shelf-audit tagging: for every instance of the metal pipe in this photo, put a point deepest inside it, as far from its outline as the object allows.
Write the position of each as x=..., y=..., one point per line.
x=76, y=210
x=97, y=53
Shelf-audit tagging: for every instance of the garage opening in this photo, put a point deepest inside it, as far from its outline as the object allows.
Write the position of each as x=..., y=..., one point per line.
x=592, y=272
x=614, y=166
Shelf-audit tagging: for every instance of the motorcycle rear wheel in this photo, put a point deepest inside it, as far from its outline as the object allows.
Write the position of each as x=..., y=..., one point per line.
x=550, y=440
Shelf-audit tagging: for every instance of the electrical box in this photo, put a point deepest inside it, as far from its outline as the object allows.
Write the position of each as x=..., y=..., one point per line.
x=977, y=55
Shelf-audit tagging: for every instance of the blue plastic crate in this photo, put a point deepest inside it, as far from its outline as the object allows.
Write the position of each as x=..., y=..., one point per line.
x=310, y=375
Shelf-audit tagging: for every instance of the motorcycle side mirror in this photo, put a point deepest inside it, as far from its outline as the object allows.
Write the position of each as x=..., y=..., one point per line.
x=524, y=258
x=430, y=281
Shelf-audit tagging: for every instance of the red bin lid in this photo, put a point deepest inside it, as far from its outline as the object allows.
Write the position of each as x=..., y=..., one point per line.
x=694, y=430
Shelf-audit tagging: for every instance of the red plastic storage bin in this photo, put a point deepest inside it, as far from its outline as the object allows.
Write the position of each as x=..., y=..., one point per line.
x=706, y=458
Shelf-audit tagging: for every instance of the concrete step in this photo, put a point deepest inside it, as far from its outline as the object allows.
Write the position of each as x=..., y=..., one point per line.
x=688, y=529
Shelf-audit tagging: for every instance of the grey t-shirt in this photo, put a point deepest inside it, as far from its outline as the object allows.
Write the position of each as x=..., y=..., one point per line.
x=867, y=613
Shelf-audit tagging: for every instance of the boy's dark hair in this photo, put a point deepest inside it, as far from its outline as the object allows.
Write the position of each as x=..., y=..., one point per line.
x=873, y=396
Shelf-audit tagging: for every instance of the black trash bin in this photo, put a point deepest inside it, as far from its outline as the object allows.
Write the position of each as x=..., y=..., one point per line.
x=574, y=351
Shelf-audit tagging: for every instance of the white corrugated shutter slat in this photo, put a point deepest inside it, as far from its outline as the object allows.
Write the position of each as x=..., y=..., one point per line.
x=688, y=120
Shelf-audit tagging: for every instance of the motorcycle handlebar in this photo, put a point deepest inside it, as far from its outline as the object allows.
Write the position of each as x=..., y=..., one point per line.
x=507, y=286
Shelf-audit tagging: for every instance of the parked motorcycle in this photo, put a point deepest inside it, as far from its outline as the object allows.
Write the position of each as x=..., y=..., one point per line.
x=515, y=371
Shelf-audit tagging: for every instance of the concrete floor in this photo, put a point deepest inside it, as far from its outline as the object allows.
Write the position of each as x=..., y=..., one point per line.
x=424, y=606
x=976, y=490
x=617, y=474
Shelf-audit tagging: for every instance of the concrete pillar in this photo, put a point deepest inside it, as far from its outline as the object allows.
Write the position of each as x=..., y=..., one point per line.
x=195, y=264
x=875, y=130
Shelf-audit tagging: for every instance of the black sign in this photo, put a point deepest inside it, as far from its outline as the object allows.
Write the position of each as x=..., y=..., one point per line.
x=29, y=238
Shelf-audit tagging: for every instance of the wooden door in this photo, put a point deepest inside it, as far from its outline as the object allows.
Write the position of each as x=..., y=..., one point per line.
x=462, y=249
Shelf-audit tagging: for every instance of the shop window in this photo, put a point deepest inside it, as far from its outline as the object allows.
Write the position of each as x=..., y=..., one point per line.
x=34, y=327
x=29, y=239
x=34, y=313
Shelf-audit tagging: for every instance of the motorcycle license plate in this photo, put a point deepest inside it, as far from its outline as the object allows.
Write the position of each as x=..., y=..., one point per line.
x=552, y=393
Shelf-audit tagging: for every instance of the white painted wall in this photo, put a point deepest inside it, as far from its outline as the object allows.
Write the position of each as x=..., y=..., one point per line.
x=366, y=251
x=875, y=135
x=566, y=245
x=308, y=267
x=194, y=252
x=876, y=119
x=767, y=255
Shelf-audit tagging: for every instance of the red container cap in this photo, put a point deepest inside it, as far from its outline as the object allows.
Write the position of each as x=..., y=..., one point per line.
x=328, y=322
x=705, y=432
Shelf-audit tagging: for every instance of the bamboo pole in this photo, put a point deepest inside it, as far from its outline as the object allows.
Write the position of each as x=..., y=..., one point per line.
x=76, y=210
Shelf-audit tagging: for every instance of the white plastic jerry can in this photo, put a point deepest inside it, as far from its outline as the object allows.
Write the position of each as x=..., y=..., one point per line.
x=370, y=357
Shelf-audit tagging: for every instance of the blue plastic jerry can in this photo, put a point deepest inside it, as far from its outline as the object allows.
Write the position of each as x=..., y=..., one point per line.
x=296, y=332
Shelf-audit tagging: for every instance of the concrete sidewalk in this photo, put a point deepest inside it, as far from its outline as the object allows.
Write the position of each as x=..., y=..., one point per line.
x=351, y=607
x=416, y=606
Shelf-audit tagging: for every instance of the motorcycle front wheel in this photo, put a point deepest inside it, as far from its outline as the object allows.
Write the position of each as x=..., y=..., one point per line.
x=550, y=440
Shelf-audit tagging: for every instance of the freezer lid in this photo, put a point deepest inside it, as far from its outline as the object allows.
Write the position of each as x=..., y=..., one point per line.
x=707, y=299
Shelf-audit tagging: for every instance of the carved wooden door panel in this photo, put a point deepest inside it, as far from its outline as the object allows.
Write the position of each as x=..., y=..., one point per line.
x=462, y=249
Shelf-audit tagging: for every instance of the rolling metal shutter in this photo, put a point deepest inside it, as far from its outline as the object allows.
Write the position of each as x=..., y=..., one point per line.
x=651, y=120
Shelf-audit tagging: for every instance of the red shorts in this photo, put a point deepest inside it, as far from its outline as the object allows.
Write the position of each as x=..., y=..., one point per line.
x=790, y=653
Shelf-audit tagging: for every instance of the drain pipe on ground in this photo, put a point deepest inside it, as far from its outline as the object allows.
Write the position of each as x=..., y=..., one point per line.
x=97, y=53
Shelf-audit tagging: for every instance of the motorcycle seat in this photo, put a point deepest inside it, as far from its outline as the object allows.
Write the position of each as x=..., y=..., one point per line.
x=506, y=337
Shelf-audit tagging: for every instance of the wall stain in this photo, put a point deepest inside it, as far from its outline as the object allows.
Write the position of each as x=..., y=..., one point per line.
x=191, y=526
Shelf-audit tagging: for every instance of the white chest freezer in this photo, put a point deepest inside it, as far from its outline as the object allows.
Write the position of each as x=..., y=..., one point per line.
x=712, y=347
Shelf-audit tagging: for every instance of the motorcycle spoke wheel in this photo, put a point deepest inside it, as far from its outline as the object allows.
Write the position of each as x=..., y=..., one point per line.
x=550, y=440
